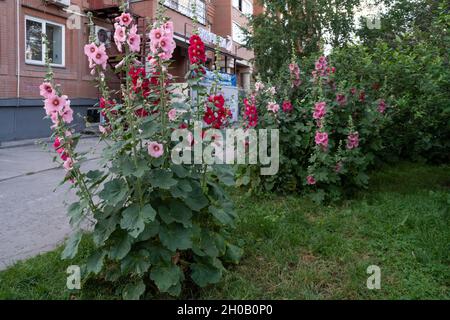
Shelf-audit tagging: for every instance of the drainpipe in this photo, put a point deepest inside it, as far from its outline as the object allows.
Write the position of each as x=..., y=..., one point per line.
x=18, y=47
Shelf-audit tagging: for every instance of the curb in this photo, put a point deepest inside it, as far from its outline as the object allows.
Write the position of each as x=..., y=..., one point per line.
x=29, y=142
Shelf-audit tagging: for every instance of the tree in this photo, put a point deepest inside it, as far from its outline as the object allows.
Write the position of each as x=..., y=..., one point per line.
x=300, y=25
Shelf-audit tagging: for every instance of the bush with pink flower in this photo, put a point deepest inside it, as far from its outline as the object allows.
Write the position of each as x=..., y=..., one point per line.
x=156, y=224
x=329, y=130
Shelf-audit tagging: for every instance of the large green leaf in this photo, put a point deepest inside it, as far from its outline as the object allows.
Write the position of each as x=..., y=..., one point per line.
x=177, y=212
x=161, y=178
x=114, y=191
x=206, y=273
x=221, y=215
x=75, y=212
x=196, y=200
x=121, y=247
x=166, y=276
x=233, y=253
x=136, y=262
x=133, y=291
x=71, y=248
x=174, y=237
x=134, y=219
x=94, y=263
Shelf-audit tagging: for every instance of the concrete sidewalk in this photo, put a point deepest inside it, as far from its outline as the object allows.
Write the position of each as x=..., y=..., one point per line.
x=32, y=213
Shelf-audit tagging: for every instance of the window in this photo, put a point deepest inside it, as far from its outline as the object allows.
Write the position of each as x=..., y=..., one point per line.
x=245, y=6
x=185, y=8
x=238, y=35
x=35, y=48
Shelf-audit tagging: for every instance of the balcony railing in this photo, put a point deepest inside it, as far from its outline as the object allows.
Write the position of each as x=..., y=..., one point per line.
x=185, y=7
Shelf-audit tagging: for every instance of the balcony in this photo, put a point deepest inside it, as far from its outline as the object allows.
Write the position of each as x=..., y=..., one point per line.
x=185, y=8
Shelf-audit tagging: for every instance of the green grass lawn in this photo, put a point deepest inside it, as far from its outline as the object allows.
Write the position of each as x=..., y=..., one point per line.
x=295, y=249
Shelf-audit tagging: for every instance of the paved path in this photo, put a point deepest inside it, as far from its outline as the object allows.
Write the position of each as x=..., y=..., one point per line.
x=32, y=213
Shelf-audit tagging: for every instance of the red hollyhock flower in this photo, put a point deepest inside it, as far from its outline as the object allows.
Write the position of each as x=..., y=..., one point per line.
x=196, y=50
x=141, y=112
x=217, y=116
x=250, y=114
x=287, y=106
x=218, y=100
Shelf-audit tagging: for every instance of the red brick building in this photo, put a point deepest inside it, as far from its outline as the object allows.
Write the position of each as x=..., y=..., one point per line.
x=64, y=21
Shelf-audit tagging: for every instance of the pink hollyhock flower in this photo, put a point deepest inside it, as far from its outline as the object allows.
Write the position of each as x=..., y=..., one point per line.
x=124, y=19
x=352, y=140
x=57, y=144
x=165, y=44
x=353, y=91
x=172, y=114
x=155, y=149
x=66, y=113
x=319, y=110
x=68, y=164
x=155, y=35
x=310, y=180
x=64, y=156
x=381, y=106
x=168, y=28
x=102, y=129
x=341, y=99
x=259, y=86
x=272, y=90
x=119, y=36
x=321, y=139
x=134, y=41
x=287, y=106
x=90, y=50
x=273, y=106
x=101, y=58
x=54, y=104
x=46, y=90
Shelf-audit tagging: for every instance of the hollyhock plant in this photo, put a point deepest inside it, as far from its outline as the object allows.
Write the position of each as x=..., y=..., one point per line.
x=153, y=219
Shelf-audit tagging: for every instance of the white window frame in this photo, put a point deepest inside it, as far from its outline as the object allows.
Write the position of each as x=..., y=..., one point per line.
x=44, y=22
x=233, y=34
x=239, y=5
